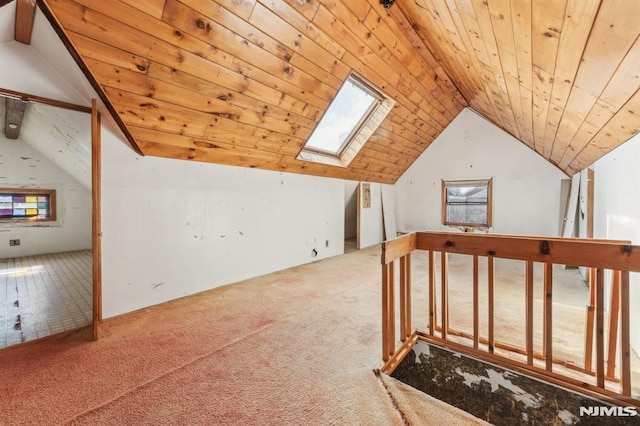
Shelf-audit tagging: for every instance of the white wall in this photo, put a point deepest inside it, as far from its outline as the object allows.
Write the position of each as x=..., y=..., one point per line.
x=23, y=166
x=173, y=228
x=526, y=188
x=617, y=210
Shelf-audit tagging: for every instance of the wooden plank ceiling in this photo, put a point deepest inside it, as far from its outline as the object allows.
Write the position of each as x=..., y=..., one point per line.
x=562, y=76
x=244, y=82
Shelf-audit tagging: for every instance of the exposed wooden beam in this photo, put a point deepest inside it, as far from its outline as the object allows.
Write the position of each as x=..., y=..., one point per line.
x=41, y=100
x=13, y=117
x=25, y=15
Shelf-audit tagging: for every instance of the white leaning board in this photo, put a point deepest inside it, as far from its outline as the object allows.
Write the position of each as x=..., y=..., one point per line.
x=570, y=214
x=388, y=212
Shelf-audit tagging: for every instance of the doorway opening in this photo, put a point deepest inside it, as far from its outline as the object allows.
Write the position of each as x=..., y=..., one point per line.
x=47, y=266
x=350, y=216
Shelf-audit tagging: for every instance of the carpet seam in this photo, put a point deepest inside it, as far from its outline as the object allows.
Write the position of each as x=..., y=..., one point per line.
x=155, y=379
x=394, y=401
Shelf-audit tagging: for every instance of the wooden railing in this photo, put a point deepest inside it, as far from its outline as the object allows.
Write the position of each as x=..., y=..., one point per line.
x=597, y=255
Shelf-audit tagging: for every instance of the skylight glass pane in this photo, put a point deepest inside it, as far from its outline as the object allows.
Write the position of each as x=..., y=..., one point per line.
x=349, y=107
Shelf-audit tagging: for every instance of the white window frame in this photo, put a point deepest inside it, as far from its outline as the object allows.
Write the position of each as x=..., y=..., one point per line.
x=488, y=223
x=360, y=134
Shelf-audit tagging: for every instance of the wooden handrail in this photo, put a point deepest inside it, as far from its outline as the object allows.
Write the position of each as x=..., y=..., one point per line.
x=398, y=247
x=598, y=255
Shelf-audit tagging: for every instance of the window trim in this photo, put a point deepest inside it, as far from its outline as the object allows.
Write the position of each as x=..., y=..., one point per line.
x=32, y=191
x=360, y=134
x=468, y=182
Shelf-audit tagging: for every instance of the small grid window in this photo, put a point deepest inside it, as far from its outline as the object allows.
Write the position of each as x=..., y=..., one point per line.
x=27, y=205
x=467, y=203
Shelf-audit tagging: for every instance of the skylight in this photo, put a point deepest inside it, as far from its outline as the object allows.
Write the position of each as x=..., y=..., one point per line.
x=351, y=105
x=352, y=117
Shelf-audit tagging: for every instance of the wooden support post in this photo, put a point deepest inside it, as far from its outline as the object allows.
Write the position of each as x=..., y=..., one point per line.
x=432, y=292
x=388, y=319
x=96, y=218
x=444, y=296
x=490, y=280
x=476, y=310
x=405, y=297
x=614, y=315
x=600, y=328
x=625, y=344
x=548, y=315
x=529, y=312
x=591, y=308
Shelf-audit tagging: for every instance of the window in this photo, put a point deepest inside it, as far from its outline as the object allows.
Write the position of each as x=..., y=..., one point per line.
x=467, y=203
x=354, y=114
x=27, y=205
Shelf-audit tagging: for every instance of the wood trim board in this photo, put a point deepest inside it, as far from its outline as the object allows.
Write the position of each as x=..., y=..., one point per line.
x=96, y=179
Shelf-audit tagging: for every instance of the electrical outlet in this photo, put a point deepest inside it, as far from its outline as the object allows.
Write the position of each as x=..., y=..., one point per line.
x=14, y=243
x=326, y=243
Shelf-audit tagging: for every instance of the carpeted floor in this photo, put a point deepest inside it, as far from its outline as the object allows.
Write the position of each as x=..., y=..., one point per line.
x=293, y=347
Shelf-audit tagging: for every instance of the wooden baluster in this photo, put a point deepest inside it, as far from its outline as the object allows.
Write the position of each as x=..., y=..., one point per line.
x=408, y=285
x=614, y=314
x=625, y=345
x=600, y=328
x=490, y=278
x=432, y=292
x=388, y=320
x=588, y=345
x=405, y=297
x=548, y=314
x=529, y=310
x=385, y=310
x=403, y=301
x=444, y=297
x=476, y=315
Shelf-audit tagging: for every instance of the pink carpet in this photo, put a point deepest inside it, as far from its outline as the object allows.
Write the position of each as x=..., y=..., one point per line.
x=294, y=347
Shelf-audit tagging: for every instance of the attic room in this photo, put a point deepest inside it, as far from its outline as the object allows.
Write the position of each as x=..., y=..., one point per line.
x=231, y=260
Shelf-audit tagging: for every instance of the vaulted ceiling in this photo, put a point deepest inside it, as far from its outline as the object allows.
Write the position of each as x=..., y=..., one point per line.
x=244, y=82
x=562, y=76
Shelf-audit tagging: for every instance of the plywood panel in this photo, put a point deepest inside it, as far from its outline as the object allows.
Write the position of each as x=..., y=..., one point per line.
x=388, y=212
